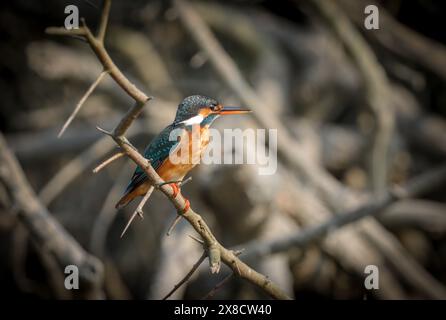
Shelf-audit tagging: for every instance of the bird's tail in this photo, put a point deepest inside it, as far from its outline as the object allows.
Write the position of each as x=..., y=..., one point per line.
x=125, y=200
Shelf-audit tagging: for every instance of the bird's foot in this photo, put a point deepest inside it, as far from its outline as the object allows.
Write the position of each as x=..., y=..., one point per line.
x=175, y=185
x=175, y=189
x=186, y=206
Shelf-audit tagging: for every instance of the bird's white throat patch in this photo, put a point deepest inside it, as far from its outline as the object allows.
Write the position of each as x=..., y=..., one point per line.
x=194, y=120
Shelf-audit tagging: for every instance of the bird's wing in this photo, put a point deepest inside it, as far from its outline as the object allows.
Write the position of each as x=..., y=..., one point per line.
x=156, y=152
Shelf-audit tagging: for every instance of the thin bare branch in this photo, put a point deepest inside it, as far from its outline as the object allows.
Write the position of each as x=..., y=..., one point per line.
x=81, y=102
x=61, y=31
x=173, y=225
x=73, y=169
x=105, y=163
x=217, y=287
x=190, y=215
x=78, y=165
x=215, y=250
x=227, y=278
x=177, y=218
x=104, y=58
x=138, y=210
x=411, y=45
x=91, y=4
x=328, y=189
x=43, y=228
x=182, y=183
x=376, y=84
x=196, y=239
x=129, y=117
x=108, y=133
x=415, y=187
x=188, y=275
x=104, y=20
x=107, y=213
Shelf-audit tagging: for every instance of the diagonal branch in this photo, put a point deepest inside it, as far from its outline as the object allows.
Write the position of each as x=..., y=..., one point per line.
x=107, y=213
x=399, y=39
x=173, y=225
x=215, y=250
x=43, y=228
x=106, y=162
x=138, y=210
x=327, y=187
x=81, y=102
x=197, y=222
x=61, y=31
x=187, y=276
x=375, y=83
x=415, y=187
x=105, y=59
x=217, y=287
x=104, y=20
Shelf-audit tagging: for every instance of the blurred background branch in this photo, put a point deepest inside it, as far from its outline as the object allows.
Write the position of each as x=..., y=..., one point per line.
x=51, y=238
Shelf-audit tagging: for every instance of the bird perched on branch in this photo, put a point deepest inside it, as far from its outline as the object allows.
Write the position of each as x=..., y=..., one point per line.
x=194, y=116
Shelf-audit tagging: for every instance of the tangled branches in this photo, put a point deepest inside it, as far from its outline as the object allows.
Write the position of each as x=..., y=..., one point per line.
x=215, y=251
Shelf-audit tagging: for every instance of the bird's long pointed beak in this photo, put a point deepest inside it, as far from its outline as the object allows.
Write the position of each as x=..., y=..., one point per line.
x=233, y=110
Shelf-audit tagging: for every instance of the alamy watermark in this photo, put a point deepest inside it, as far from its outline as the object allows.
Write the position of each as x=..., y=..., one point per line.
x=72, y=19
x=234, y=146
x=371, y=21
x=72, y=279
x=371, y=281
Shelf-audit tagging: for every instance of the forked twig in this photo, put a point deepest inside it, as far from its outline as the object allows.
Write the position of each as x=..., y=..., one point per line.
x=217, y=253
x=211, y=293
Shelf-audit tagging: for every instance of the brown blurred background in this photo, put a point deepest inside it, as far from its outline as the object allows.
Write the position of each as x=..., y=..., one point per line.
x=326, y=89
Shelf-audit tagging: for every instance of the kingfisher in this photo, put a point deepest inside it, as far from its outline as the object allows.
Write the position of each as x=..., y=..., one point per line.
x=194, y=112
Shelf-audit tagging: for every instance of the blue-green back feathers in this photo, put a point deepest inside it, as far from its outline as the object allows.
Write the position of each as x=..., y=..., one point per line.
x=160, y=147
x=156, y=152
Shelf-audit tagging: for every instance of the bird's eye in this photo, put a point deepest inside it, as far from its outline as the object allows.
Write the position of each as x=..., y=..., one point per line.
x=215, y=107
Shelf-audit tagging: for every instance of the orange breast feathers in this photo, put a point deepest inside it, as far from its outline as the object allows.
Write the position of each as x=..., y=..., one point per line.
x=192, y=145
x=186, y=155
